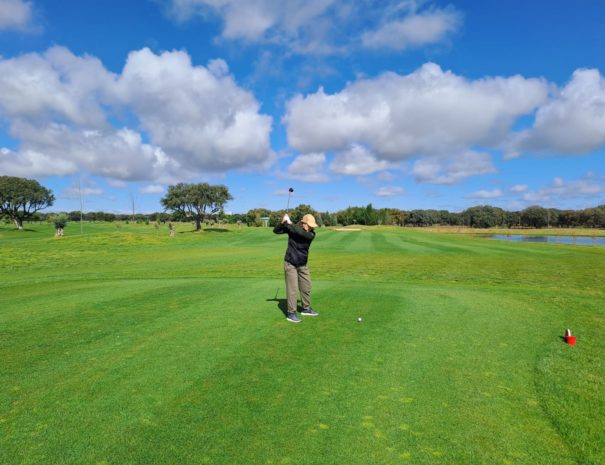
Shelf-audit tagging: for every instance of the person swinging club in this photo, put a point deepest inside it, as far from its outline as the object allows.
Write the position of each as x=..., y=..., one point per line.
x=296, y=271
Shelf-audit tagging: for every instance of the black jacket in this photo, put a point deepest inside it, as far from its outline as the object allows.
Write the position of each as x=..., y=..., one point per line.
x=299, y=241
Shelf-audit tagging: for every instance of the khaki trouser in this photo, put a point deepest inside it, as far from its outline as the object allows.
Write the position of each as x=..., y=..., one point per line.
x=297, y=278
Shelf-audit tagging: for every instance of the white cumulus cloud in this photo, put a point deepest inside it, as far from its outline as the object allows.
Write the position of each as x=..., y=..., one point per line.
x=454, y=169
x=389, y=191
x=61, y=109
x=486, y=194
x=357, y=161
x=299, y=24
x=309, y=167
x=560, y=189
x=57, y=149
x=518, y=188
x=572, y=121
x=83, y=188
x=204, y=121
x=324, y=26
x=427, y=112
x=15, y=14
x=413, y=30
x=152, y=189
x=28, y=163
x=55, y=86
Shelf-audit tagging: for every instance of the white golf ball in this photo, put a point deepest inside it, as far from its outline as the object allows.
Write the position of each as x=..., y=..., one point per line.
x=359, y=319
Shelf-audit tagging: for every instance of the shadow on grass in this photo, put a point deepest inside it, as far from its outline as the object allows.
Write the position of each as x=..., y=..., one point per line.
x=217, y=230
x=204, y=230
x=282, y=305
x=15, y=230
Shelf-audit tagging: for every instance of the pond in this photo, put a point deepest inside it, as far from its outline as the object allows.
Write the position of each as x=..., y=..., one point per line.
x=573, y=240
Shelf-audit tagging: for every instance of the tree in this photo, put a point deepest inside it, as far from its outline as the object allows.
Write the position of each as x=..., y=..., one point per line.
x=423, y=217
x=329, y=219
x=535, y=217
x=196, y=200
x=370, y=215
x=483, y=216
x=347, y=217
x=20, y=198
x=301, y=210
x=253, y=217
x=60, y=221
x=512, y=219
x=593, y=217
x=397, y=217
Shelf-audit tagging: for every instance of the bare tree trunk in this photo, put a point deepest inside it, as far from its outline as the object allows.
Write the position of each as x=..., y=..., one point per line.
x=19, y=223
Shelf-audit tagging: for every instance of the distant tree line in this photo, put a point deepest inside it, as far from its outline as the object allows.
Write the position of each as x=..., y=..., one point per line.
x=22, y=199
x=482, y=216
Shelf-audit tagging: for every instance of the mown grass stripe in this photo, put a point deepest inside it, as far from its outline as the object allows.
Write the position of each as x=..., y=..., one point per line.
x=129, y=347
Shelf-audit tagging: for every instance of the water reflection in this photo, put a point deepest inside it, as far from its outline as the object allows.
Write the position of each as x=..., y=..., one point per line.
x=574, y=240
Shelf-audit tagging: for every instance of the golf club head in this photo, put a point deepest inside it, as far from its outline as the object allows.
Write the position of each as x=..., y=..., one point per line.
x=290, y=190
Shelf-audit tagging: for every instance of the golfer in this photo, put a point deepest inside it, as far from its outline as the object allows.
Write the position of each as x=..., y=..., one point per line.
x=297, y=273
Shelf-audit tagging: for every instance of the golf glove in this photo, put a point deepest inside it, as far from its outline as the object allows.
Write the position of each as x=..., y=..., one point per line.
x=287, y=219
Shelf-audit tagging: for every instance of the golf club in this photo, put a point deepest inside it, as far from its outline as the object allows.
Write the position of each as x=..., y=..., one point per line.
x=290, y=190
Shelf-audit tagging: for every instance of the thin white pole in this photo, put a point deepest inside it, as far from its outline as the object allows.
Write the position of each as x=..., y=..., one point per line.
x=81, y=204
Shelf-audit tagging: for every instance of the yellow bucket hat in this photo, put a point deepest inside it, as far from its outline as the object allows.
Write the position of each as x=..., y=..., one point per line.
x=310, y=220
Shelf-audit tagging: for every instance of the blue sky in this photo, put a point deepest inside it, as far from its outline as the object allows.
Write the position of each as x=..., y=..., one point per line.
x=399, y=103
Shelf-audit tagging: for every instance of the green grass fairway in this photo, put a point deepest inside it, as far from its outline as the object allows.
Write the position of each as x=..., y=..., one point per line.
x=123, y=346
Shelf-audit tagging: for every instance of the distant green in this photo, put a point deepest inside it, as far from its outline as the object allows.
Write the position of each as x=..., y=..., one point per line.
x=121, y=345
